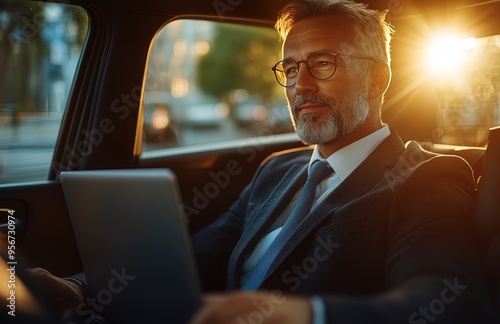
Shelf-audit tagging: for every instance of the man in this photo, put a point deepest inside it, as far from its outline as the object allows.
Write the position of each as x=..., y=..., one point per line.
x=387, y=238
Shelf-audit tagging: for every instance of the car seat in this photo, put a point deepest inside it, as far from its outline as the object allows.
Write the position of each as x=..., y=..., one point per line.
x=487, y=213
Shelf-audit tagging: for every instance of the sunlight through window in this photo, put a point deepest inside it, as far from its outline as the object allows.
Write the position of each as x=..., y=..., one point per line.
x=450, y=52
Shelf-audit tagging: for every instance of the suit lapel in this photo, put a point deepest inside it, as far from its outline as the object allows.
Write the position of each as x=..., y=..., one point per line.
x=364, y=178
x=264, y=217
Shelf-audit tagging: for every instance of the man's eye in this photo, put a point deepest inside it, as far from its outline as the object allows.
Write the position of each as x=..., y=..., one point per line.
x=324, y=65
x=291, y=71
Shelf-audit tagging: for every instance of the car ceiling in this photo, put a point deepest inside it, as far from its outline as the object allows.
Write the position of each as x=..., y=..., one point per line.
x=266, y=11
x=470, y=17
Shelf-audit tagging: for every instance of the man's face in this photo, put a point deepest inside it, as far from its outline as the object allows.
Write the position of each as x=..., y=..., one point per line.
x=325, y=110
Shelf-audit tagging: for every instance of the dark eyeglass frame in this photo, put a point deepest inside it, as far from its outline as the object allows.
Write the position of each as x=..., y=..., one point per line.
x=335, y=54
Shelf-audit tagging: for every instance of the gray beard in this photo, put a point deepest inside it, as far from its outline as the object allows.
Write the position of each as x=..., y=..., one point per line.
x=342, y=119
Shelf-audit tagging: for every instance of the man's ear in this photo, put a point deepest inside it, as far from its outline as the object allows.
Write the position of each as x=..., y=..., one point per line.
x=380, y=79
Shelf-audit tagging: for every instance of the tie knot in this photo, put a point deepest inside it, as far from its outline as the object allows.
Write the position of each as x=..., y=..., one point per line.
x=318, y=171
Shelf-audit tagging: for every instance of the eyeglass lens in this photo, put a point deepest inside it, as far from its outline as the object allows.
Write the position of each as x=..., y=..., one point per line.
x=321, y=65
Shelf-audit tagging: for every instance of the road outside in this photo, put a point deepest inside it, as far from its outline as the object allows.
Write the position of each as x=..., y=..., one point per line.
x=26, y=149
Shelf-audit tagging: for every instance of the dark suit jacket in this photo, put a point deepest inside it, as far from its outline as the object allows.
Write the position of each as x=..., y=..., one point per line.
x=391, y=244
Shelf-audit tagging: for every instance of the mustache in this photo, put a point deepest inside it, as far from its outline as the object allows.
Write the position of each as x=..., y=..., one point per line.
x=304, y=99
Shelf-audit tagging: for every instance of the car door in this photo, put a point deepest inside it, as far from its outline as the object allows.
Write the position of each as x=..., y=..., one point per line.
x=41, y=45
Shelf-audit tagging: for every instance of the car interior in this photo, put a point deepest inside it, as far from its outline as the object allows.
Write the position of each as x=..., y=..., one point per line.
x=126, y=82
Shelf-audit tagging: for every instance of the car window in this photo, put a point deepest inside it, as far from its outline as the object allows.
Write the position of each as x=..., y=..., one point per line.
x=467, y=83
x=212, y=81
x=40, y=45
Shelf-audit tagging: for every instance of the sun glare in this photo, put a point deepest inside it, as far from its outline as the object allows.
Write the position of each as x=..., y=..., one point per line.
x=449, y=52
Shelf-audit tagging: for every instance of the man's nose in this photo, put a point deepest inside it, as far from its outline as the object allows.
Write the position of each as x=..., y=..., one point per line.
x=305, y=83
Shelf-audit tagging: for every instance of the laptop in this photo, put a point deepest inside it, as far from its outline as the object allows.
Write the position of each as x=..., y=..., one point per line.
x=134, y=245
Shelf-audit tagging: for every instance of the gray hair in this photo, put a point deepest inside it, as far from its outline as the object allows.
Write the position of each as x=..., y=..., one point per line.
x=373, y=33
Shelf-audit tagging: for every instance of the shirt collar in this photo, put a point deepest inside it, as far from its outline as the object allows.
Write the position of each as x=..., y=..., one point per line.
x=348, y=158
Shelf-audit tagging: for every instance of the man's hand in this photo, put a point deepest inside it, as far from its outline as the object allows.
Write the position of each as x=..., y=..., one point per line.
x=253, y=307
x=65, y=294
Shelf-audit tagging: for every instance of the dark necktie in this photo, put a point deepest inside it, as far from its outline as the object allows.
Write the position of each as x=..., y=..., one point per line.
x=318, y=171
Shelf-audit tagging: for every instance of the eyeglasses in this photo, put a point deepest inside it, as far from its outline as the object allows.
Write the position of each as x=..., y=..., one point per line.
x=321, y=65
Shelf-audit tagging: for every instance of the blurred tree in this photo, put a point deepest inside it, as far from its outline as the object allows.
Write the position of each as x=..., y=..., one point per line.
x=240, y=58
x=19, y=35
x=24, y=49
